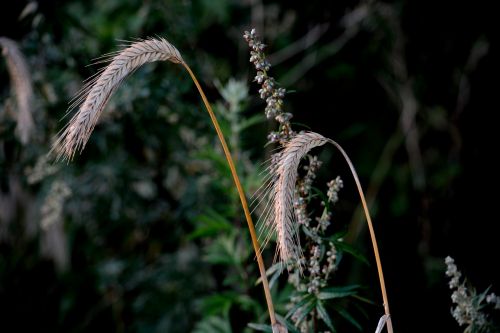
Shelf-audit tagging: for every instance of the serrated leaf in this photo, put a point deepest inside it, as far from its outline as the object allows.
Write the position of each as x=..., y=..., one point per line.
x=274, y=278
x=323, y=314
x=305, y=310
x=274, y=271
x=480, y=298
x=210, y=224
x=301, y=303
x=337, y=292
x=268, y=328
x=226, y=250
x=279, y=266
x=291, y=328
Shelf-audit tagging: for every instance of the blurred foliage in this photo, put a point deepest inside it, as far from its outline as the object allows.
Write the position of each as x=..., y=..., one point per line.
x=151, y=238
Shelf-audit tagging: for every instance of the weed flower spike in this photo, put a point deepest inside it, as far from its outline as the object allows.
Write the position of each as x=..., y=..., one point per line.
x=269, y=91
x=469, y=306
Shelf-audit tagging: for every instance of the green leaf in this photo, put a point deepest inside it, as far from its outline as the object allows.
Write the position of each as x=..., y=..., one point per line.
x=210, y=224
x=283, y=295
x=275, y=270
x=267, y=328
x=274, y=278
x=347, y=316
x=338, y=235
x=338, y=292
x=219, y=303
x=304, y=307
x=324, y=315
x=247, y=303
x=227, y=250
x=301, y=303
x=341, y=246
x=248, y=122
x=213, y=324
x=261, y=327
x=276, y=267
x=291, y=328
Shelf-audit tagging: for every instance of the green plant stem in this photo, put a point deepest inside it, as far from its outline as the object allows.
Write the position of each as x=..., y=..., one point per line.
x=243, y=199
x=372, y=234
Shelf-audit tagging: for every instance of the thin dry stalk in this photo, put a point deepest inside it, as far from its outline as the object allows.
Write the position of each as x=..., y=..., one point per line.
x=388, y=321
x=96, y=94
x=281, y=218
x=255, y=243
x=22, y=87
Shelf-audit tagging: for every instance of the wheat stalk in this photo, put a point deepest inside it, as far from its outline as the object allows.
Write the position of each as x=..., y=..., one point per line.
x=95, y=95
x=22, y=86
x=281, y=216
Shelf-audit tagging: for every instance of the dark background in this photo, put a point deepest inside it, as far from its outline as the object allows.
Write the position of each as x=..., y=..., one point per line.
x=353, y=83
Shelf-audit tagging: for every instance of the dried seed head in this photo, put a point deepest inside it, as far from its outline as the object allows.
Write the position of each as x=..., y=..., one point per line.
x=22, y=86
x=94, y=96
x=281, y=216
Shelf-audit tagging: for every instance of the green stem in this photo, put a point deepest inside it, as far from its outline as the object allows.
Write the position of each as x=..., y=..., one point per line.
x=243, y=199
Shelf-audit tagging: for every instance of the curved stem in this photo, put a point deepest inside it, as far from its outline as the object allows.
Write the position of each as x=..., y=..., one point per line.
x=243, y=199
x=372, y=233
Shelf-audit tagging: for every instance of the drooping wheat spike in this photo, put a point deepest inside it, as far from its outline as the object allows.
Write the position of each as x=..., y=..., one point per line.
x=22, y=86
x=95, y=94
x=282, y=194
x=280, y=217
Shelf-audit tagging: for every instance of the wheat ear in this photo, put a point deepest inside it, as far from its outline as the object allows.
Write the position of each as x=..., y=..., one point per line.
x=96, y=94
x=281, y=218
x=283, y=193
x=22, y=86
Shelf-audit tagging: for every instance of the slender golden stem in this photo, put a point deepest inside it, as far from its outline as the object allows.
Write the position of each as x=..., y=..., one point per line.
x=243, y=199
x=372, y=234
